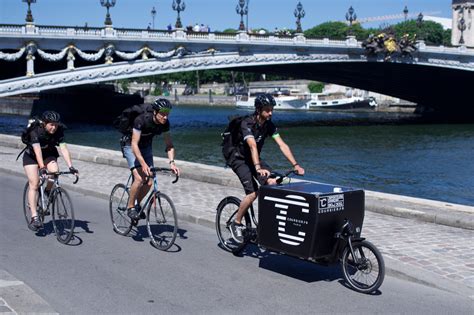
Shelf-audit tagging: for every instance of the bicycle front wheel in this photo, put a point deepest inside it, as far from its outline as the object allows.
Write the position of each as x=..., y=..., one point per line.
x=226, y=212
x=118, y=210
x=365, y=270
x=63, y=215
x=162, y=221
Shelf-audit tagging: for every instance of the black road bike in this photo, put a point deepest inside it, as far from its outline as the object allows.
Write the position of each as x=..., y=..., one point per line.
x=161, y=217
x=55, y=201
x=362, y=263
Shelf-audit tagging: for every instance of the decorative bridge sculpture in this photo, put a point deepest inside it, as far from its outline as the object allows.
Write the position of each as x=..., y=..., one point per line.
x=112, y=54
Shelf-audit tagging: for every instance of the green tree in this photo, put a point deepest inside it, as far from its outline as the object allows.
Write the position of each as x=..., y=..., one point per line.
x=336, y=30
x=315, y=87
x=432, y=32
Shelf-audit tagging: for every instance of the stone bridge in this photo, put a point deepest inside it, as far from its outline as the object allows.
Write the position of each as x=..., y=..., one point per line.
x=35, y=58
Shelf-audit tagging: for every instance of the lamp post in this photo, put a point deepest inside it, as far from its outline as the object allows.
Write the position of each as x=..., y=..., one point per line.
x=299, y=13
x=29, y=16
x=351, y=17
x=419, y=24
x=242, y=9
x=405, y=13
x=462, y=26
x=178, y=6
x=108, y=4
x=153, y=14
x=247, y=16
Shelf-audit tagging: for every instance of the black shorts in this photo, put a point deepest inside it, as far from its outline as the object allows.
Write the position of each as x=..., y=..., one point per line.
x=31, y=160
x=248, y=175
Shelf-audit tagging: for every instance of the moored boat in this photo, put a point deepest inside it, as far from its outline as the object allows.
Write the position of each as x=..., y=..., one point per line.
x=327, y=101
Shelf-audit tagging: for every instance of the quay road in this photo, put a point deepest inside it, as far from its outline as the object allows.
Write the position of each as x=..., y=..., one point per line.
x=429, y=266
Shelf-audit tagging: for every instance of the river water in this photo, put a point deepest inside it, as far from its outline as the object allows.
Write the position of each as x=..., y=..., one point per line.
x=384, y=152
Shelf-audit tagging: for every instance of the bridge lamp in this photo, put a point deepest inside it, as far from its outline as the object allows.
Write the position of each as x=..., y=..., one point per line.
x=178, y=6
x=351, y=17
x=108, y=4
x=462, y=26
x=405, y=13
x=29, y=16
x=242, y=9
x=299, y=13
x=419, y=23
x=153, y=14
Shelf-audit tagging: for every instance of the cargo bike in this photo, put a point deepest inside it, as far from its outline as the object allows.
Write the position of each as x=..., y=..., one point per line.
x=316, y=222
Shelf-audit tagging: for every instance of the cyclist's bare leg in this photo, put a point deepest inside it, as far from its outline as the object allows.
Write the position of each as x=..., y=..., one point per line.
x=138, y=190
x=244, y=206
x=144, y=189
x=31, y=172
x=248, y=200
x=52, y=167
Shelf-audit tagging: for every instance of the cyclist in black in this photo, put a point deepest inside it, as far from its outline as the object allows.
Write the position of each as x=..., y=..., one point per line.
x=41, y=156
x=137, y=149
x=246, y=162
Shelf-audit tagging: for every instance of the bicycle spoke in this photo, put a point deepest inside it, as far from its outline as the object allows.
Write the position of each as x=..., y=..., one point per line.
x=162, y=222
x=63, y=216
x=118, y=201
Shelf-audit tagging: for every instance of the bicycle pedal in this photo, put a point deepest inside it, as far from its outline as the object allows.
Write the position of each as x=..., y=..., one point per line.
x=134, y=222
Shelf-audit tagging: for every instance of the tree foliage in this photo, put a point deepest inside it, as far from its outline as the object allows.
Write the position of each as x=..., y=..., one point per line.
x=432, y=32
x=336, y=30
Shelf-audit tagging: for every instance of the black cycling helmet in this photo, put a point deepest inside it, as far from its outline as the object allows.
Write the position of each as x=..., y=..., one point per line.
x=263, y=100
x=50, y=117
x=162, y=105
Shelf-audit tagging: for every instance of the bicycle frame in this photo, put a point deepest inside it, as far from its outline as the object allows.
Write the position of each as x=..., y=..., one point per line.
x=54, y=178
x=153, y=191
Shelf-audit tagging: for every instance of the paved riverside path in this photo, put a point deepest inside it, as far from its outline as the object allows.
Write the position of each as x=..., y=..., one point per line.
x=433, y=254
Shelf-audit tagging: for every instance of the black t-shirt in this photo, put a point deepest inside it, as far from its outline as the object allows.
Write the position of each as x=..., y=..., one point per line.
x=249, y=127
x=144, y=123
x=47, y=141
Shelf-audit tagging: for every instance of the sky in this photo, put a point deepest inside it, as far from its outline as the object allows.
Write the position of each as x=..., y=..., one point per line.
x=218, y=14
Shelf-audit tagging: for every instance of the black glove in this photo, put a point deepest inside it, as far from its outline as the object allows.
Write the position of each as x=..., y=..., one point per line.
x=43, y=171
x=73, y=170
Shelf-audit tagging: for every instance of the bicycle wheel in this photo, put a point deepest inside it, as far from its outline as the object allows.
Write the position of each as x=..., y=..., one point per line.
x=26, y=208
x=364, y=272
x=118, y=210
x=226, y=212
x=161, y=221
x=62, y=215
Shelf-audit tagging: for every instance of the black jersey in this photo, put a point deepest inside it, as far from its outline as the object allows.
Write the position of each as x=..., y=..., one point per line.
x=148, y=128
x=250, y=127
x=47, y=141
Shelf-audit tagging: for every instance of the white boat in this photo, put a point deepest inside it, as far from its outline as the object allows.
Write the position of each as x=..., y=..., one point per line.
x=283, y=100
x=329, y=101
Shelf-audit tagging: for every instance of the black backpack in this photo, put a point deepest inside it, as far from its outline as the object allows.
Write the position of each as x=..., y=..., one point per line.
x=232, y=137
x=33, y=122
x=124, y=122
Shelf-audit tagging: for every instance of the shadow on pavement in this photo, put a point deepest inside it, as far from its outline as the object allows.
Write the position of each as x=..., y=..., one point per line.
x=293, y=267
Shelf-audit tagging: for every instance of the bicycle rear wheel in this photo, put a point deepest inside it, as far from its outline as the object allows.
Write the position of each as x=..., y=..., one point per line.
x=62, y=215
x=118, y=210
x=226, y=212
x=364, y=272
x=26, y=207
x=162, y=221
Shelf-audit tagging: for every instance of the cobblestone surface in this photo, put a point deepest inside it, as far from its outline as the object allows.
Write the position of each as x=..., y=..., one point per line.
x=439, y=251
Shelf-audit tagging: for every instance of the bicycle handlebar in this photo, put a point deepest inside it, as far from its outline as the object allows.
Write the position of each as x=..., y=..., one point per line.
x=280, y=176
x=60, y=173
x=154, y=170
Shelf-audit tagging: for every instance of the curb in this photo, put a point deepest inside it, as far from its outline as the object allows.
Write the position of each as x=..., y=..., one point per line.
x=437, y=212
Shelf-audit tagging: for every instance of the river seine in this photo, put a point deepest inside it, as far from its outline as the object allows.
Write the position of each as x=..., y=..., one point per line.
x=376, y=151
